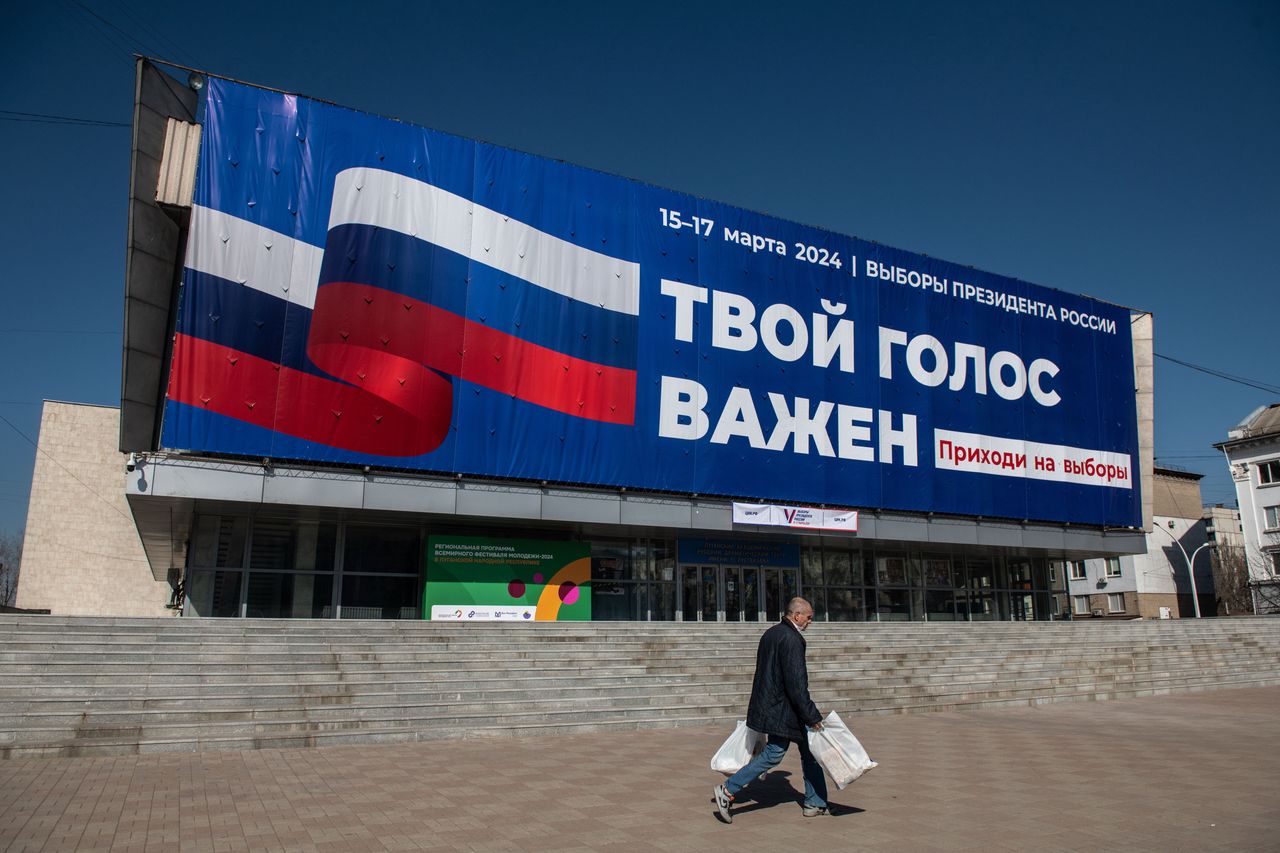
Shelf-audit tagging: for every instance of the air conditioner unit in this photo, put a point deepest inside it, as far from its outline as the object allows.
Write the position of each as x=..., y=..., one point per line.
x=1097, y=611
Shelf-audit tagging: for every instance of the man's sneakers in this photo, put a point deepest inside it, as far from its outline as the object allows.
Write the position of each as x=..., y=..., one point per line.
x=813, y=811
x=724, y=801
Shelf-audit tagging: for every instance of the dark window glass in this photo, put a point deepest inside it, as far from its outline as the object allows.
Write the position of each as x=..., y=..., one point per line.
x=613, y=602
x=839, y=567
x=1021, y=606
x=388, y=550
x=219, y=542
x=893, y=605
x=664, y=560
x=213, y=593
x=642, y=559
x=811, y=567
x=292, y=545
x=366, y=597
x=940, y=605
x=891, y=569
x=662, y=602
x=611, y=561
x=937, y=570
x=845, y=605
x=981, y=573
x=982, y=607
x=1019, y=573
x=868, y=563
x=1041, y=574
x=818, y=598
x=280, y=595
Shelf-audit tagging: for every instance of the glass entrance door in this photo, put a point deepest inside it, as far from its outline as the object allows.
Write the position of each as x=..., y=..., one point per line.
x=780, y=586
x=700, y=592
x=740, y=586
x=725, y=593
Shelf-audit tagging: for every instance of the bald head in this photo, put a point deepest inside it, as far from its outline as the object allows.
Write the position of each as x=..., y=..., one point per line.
x=799, y=612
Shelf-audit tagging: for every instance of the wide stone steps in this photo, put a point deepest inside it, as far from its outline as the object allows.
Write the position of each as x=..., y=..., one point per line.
x=314, y=733
x=428, y=709
x=53, y=682
x=110, y=686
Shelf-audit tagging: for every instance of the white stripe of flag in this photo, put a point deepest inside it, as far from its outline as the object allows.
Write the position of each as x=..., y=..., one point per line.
x=386, y=200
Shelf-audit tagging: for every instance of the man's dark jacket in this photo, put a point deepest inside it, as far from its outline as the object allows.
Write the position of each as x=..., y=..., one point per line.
x=780, y=703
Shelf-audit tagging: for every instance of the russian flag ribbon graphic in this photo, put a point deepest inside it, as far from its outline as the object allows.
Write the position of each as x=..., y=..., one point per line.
x=357, y=346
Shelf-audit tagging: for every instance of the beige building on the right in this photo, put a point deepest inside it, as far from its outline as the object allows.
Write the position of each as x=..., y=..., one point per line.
x=1156, y=584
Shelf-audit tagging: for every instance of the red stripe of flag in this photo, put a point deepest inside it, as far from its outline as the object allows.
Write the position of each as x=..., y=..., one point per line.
x=390, y=418
x=369, y=322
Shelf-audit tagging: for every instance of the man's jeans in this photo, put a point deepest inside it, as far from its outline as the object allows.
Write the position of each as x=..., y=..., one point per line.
x=815, y=784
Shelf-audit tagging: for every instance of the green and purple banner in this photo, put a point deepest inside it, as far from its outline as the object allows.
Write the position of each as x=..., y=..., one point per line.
x=525, y=580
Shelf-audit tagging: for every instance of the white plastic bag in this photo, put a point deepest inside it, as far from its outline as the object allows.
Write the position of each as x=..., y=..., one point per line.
x=838, y=751
x=737, y=750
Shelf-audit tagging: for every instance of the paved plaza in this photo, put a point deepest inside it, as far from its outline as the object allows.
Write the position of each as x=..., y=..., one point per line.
x=1193, y=771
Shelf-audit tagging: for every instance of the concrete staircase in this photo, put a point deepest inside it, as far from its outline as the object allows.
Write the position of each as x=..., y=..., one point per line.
x=94, y=686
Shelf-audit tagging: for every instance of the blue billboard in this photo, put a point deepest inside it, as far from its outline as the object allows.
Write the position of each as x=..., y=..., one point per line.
x=362, y=291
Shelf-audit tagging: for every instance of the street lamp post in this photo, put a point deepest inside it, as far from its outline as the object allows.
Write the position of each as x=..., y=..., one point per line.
x=1191, y=569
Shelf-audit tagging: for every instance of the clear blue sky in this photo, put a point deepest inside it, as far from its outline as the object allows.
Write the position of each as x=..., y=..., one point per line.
x=1128, y=151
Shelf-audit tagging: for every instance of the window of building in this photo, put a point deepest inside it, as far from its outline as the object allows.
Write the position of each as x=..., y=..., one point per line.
x=1269, y=472
x=891, y=569
x=1019, y=573
x=1078, y=572
x=839, y=567
x=845, y=605
x=937, y=571
x=219, y=542
x=811, y=567
x=1272, y=517
x=1080, y=605
x=381, y=569
x=1113, y=567
x=1115, y=602
x=291, y=566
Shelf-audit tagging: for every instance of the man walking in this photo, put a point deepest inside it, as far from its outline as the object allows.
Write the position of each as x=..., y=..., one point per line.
x=780, y=707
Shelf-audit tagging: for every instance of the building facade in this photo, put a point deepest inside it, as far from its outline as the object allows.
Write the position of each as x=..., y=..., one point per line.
x=1252, y=452
x=375, y=371
x=1225, y=530
x=1155, y=584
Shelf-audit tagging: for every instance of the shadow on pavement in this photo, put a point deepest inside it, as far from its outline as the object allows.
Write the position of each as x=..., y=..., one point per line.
x=776, y=790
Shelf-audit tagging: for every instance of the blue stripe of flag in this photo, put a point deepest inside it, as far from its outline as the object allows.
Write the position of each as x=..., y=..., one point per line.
x=426, y=272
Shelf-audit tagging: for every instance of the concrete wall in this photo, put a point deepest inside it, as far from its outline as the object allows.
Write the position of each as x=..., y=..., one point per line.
x=82, y=555
x=1176, y=497
x=1142, y=327
x=1149, y=605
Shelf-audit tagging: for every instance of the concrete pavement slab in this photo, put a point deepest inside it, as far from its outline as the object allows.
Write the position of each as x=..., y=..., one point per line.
x=1191, y=771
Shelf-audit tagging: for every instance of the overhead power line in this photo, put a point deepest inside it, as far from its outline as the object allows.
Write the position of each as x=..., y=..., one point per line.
x=137, y=43
x=175, y=50
x=47, y=118
x=60, y=331
x=1239, y=380
x=86, y=21
x=29, y=440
